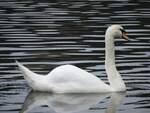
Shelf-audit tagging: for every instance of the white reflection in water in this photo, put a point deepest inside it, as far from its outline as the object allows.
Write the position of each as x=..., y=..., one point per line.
x=70, y=103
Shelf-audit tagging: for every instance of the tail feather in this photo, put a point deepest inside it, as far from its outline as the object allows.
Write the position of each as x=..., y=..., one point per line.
x=25, y=70
x=35, y=81
x=30, y=77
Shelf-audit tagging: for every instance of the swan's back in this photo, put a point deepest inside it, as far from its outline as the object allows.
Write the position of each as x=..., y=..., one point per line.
x=69, y=78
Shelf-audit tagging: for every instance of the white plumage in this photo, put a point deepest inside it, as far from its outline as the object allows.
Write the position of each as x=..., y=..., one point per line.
x=71, y=79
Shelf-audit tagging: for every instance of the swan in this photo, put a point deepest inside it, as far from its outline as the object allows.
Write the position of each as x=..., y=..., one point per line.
x=72, y=79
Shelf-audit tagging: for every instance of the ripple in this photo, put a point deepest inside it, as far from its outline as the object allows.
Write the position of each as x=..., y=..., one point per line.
x=46, y=34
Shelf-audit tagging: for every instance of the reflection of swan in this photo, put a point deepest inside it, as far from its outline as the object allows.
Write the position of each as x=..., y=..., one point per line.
x=71, y=79
x=115, y=100
x=69, y=103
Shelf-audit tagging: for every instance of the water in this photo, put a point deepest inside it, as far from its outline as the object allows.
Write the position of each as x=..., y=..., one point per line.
x=45, y=34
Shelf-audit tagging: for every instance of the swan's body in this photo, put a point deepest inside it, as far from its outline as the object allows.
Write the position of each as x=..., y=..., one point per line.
x=71, y=79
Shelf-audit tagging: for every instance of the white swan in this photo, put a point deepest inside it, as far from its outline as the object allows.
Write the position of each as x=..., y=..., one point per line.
x=71, y=79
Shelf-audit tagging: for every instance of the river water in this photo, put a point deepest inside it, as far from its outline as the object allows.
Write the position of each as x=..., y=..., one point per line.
x=48, y=33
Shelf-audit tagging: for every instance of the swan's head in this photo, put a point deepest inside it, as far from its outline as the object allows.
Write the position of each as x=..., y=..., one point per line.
x=117, y=31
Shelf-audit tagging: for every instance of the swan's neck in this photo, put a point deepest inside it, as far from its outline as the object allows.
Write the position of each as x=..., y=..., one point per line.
x=114, y=78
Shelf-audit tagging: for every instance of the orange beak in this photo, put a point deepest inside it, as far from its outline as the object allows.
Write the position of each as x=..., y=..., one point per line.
x=124, y=35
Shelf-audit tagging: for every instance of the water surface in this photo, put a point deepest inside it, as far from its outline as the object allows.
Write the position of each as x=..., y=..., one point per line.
x=45, y=34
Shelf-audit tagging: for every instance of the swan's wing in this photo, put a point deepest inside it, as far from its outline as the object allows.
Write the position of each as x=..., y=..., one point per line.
x=69, y=78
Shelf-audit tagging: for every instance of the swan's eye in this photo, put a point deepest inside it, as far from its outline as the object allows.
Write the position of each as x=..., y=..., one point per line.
x=123, y=31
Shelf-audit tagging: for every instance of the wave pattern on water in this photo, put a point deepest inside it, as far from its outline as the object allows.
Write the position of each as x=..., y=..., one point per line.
x=45, y=34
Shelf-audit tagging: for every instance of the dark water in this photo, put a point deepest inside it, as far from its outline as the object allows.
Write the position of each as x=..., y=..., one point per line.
x=47, y=33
